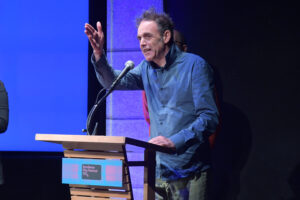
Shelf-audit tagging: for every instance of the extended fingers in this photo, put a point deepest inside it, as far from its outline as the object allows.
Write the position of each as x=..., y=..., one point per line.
x=89, y=29
x=95, y=35
x=96, y=38
x=91, y=34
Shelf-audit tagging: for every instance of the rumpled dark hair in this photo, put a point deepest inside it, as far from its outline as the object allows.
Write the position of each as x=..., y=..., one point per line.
x=163, y=21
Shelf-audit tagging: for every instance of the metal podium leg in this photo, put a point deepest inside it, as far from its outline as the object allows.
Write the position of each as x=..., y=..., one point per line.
x=149, y=175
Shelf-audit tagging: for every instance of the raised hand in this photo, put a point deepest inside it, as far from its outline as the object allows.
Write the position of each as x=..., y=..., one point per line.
x=96, y=38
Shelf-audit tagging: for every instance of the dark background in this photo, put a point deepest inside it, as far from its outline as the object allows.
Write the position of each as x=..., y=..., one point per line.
x=252, y=46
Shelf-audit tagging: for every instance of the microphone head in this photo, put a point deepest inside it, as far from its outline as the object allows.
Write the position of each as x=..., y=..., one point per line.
x=129, y=64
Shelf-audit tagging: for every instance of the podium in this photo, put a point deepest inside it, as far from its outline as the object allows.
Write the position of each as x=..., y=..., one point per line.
x=97, y=167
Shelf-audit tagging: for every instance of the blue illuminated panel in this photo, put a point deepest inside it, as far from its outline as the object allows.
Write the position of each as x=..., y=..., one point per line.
x=43, y=64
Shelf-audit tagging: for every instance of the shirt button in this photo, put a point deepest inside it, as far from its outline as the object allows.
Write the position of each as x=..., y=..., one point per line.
x=161, y=123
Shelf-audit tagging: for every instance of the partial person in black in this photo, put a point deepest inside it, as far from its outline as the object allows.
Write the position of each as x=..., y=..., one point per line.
x=3, y=118
x=3, y=108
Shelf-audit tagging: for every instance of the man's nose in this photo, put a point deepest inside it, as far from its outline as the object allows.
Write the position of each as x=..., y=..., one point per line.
x=142, y=42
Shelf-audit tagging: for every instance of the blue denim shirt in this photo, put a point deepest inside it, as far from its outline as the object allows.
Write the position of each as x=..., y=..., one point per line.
x=181, y=105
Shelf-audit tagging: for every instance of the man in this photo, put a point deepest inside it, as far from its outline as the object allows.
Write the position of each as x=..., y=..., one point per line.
x=180, y=93
x=3, y=118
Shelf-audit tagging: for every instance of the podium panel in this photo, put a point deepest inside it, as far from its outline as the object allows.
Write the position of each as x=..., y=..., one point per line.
x=96, y=167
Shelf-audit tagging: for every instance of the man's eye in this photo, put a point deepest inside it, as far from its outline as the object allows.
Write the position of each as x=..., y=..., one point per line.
x=147, y=37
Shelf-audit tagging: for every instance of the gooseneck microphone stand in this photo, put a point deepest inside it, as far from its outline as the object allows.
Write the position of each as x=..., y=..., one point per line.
x=128, y=66
x=96, y=107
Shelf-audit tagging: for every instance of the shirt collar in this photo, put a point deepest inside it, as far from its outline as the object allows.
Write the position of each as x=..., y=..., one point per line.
x=170, y=57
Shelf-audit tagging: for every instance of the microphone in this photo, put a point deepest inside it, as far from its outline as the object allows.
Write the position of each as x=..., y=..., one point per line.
x=128, y=66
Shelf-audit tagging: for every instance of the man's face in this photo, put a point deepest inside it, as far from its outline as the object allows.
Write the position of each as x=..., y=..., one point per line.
x=151, y=42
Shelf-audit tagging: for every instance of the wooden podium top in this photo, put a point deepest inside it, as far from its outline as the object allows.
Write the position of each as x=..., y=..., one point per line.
x=97, y=142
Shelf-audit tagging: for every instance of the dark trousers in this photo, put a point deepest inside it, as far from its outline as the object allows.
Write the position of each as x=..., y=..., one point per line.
x=190, y=188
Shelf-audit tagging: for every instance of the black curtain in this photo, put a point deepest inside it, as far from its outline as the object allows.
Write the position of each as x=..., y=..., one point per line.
x=253, y=48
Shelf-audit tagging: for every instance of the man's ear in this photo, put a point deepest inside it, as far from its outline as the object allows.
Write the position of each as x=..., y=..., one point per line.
x=167, y=36
x=184, y=47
